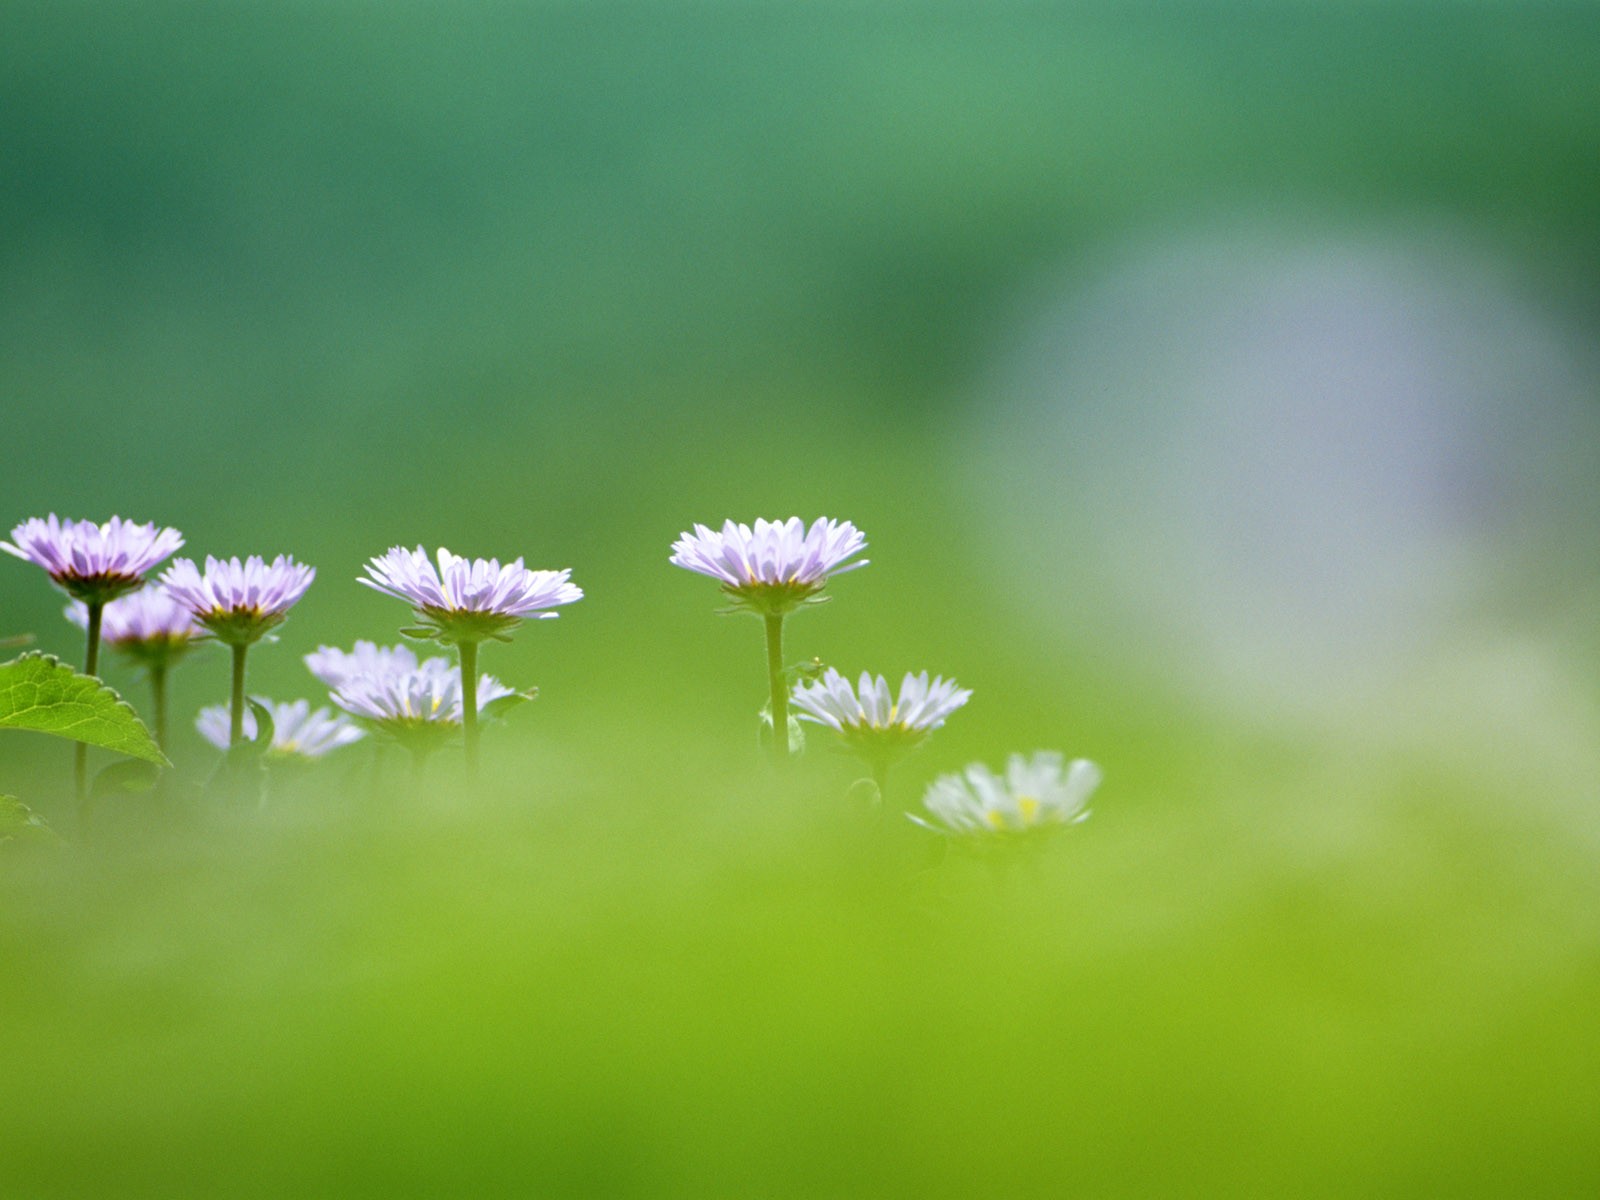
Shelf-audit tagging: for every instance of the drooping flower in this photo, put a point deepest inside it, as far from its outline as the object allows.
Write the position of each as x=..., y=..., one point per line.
x=93, y=563
x=774, y=567
x=869, y=720
x=297, y=729
x=238, y=602
x=1040, y=792
x=151, y=626
x=366, y=659
x=468, y=600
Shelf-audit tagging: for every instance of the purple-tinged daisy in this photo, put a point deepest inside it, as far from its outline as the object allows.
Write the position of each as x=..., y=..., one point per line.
x=771, y=570
x=1041, y=792
x=93, y=563
x=774, y=567
x=430, y=693
x=151, y=628
x=333, y=666
x=420, y=708
x=462, y=602
x=238, y=603
x=298, y=730
x=870, y=721
x=468, y=600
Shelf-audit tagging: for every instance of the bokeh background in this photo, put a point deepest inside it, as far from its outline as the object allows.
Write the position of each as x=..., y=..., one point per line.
x=1218, y=387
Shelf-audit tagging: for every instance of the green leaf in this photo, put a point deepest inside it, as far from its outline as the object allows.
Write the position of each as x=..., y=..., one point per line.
x=865, y=793
x=41, y=693
x=240, y=777
x=497, y=708
x=124, y=777
x=809, y=671
x=797, y=732
x=20, y=823
x=253, y=750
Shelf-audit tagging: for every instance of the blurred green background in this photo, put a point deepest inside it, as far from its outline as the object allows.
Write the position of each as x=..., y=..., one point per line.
x=558, y=280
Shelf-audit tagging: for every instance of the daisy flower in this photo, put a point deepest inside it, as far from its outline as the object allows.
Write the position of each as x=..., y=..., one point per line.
x=421, y=708
x=238, y=603
x=468, y=599
x=334, y=666
x=462, y=602
x=298, y=731
x=871, y=722
x=151, y=628
x=775, y=567
x=771, y=570
x=93, y=563
x=1041, y=792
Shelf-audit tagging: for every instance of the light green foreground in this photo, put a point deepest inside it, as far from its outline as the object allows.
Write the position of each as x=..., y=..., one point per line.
x=722, y=988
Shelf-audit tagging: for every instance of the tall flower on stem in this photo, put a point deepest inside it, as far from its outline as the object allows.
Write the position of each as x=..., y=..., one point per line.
x=874, y=725
x=153, y=630
x=1035, y=793
x=421, y=707
x=238, y=603
x=462, y=602
x=771, y=570
x=93, y=564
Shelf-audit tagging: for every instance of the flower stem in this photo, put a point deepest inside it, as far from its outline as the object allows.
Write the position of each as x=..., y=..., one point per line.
x=880, y=776
x=158, y=702
x=468, y=652
x=780, y=691
x=236, y=722
x=91, y=664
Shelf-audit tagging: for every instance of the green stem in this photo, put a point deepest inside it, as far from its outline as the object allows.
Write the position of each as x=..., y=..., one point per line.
x=91, y=664
x=880, y=776
x=158, y=702
x=236, y=722
x=780, y=690
x=468, y=652
x=380, y=752
x=419, y=767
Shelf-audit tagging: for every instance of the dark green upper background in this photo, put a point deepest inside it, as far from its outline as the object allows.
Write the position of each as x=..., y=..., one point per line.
x=558, y=280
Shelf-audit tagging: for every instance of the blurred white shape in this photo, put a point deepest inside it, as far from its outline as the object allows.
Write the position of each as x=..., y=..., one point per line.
x=1292, y=467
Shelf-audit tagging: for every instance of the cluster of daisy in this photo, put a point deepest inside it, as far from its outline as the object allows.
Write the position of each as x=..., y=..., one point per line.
x=105, y=569
x=420, y=705
x=772, y=569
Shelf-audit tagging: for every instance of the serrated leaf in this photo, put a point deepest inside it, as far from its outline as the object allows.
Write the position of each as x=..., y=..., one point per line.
x=41, y=693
